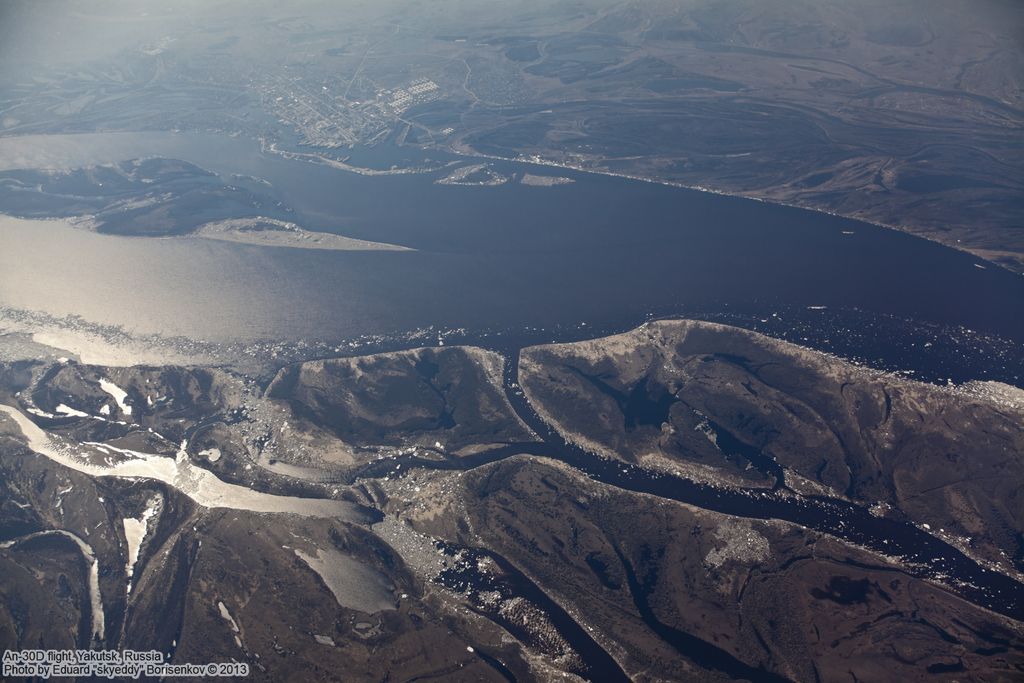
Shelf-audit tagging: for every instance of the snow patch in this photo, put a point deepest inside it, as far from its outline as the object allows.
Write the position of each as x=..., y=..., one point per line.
x=226, y=616
x=135, y=531
x=118, y=395
x=40, y=413
x=211, y=454
x=68, y=410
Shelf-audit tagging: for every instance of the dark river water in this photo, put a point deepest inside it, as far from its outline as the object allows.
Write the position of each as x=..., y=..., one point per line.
x=603, y=250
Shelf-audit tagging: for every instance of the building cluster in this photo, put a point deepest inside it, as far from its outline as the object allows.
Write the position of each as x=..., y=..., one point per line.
x=323, y=118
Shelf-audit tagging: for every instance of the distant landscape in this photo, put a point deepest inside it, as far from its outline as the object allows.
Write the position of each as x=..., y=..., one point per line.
x=863, y=109
x=462, y=340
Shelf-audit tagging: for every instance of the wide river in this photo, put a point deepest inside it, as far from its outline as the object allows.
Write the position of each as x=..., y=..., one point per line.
x=603, y=250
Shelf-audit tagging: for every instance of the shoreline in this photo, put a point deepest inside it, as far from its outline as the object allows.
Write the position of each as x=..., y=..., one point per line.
x=312, y=157
x=269, y=147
